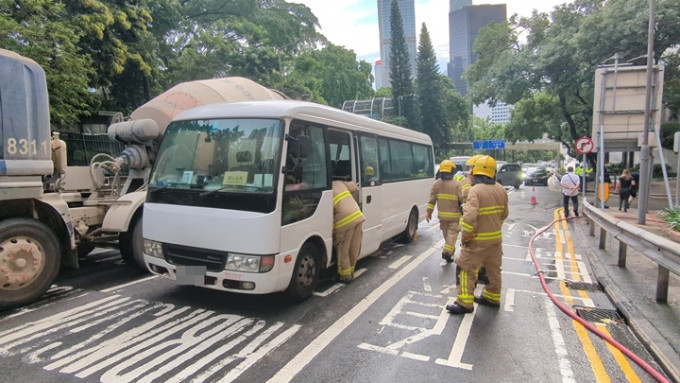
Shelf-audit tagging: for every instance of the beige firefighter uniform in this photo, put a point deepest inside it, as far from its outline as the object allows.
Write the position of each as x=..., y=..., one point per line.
x=486, y=208
x=347, y=228
x=448, y=195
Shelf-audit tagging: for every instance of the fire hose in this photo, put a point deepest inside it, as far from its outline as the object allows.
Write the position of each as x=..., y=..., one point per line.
x=644, y=365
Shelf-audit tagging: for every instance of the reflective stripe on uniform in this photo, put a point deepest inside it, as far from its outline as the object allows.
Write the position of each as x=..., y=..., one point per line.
x=449, y=249
x=341, y=196
x=491, y=209
x=493, y=297
x=466, y=186
x=466, y=226
x=346, y=272
x=464, y=295
x=430, y=206
x=446, y=214
x=487, y=236
x=451, y=197
x=347, y=220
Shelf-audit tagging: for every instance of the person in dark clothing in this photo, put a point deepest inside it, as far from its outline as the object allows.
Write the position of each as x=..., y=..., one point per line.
x=624, y=186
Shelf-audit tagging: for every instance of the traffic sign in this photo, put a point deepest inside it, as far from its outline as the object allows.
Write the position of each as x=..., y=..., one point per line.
x=488, y=144
x=584, y=145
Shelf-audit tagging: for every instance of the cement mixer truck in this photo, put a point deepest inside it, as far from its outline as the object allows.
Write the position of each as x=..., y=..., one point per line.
x=52, y=214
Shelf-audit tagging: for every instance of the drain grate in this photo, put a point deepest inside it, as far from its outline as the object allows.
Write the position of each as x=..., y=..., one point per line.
x=583, y=286
x=593, y=314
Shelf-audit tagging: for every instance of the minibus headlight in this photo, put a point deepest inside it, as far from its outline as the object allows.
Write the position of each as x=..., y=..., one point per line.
x=249, y=263
x=153, y=248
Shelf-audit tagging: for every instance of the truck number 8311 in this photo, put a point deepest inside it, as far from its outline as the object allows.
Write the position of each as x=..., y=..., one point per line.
x=25, y=148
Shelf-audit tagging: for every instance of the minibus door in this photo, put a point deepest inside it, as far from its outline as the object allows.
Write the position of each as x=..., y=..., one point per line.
x=370, y=191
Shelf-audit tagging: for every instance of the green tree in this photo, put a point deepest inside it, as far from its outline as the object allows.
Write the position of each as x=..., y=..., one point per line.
x=400, y=70
x=43, y=31
x=558, y=58
x=258, y=40
x=484, y=129
x=457, y=112
x=430, y=95
x=330, y=76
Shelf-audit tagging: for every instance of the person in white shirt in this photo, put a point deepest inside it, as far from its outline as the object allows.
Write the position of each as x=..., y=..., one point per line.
x=570, y=185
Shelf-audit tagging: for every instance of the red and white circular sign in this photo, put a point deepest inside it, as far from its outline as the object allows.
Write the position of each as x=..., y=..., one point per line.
x=584, y=145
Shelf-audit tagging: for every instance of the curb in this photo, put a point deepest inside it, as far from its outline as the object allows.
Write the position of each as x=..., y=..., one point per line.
x=654, y=342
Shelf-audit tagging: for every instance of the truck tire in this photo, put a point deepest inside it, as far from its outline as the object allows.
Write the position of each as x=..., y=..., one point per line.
x=29, y=261
x=131, y=245
x=306, y=273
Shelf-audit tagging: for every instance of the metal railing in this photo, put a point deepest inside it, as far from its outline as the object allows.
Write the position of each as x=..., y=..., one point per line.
x=665, y=253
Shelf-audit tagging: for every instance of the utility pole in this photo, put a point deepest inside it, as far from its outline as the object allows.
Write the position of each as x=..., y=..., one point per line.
x=645, y=165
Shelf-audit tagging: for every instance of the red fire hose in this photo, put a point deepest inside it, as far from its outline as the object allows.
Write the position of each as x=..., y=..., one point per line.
x=655, y=374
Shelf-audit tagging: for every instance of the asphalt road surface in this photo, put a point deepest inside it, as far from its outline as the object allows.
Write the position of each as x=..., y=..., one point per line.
x=109, y=323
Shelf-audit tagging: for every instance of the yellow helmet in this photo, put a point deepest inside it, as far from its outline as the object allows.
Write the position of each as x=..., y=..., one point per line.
x=369, y=170
x=485, y=166
x=471, y=161
x=447, y=166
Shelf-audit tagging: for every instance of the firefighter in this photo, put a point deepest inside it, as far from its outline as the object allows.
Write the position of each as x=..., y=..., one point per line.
x=447, y=193
x=481, y=276
x=347, y=228
x=482, y=243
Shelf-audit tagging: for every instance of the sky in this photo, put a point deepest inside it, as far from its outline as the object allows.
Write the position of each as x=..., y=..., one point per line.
x=354, y=23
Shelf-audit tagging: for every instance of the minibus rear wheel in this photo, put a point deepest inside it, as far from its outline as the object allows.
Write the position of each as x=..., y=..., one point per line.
x=411, y=226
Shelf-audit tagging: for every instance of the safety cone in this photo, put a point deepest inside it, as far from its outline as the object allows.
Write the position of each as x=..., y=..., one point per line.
x=533, y=201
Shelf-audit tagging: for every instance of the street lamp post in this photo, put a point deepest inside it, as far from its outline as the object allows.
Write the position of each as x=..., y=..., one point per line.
x=645, y=165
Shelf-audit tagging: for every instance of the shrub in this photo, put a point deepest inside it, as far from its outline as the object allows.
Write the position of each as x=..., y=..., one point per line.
x=672, y=217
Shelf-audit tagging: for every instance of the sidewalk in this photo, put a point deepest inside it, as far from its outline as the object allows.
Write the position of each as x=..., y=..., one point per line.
x=633, y=289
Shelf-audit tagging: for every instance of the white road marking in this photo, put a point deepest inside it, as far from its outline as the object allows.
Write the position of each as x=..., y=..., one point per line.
x=204, y=345
x=456, y=355
x=426, y=284
x=397, y=264
x=509, y=300
x=120, y=287
x=558, y=341
x=295, y=365
x=338, y=285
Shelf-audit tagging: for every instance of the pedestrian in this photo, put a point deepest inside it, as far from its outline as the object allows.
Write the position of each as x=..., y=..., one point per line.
x=447, y=193
x=570, y=185
x=624, y=186
x=347, y=228
x=485, y=210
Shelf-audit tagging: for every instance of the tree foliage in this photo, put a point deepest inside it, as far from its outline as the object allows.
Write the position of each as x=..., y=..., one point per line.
x=400, y=70
x=545, y=64
x=444, y=113
x=43, y=31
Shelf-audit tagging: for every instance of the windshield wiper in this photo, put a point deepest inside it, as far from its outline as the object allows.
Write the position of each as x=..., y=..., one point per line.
x=209, y=192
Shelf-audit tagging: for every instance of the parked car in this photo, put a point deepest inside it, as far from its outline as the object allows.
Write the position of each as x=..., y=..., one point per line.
x=538, y=176
x=509, y=174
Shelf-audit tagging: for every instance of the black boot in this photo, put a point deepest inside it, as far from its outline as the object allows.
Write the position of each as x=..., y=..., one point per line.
x=485, y=302
x=455, y=308
x=447, y=257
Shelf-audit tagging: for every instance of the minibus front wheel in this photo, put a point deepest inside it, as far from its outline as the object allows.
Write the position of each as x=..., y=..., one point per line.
x=306, y=273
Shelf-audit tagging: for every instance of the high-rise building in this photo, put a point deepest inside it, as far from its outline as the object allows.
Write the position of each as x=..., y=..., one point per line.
x=408, y=15
x=464, y=23
x=455, y=5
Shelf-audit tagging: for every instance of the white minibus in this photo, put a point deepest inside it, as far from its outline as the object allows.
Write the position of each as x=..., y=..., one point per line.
x=240, y=196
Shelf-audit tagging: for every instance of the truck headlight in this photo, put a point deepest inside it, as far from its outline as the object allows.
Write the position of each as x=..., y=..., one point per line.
x=153, y=248
x=249, y=263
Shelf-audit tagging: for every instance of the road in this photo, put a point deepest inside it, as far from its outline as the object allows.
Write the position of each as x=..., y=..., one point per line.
x=108, y=323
